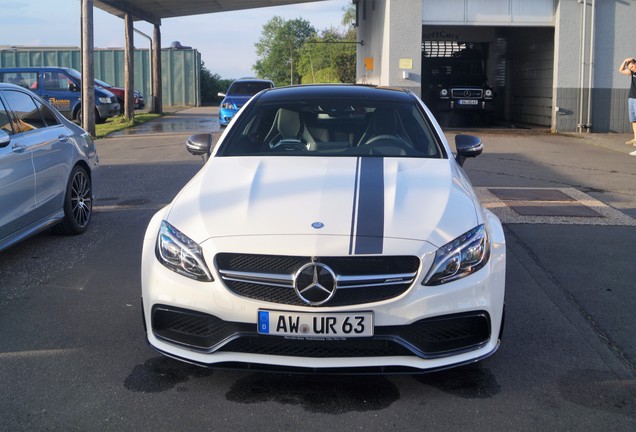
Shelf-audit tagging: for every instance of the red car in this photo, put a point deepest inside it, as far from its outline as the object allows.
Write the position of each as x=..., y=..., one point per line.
x=121, y=94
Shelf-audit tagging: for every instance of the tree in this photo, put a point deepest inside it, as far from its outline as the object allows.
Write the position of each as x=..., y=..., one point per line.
x=211, y=85
x=278, y=49
x=330, y=58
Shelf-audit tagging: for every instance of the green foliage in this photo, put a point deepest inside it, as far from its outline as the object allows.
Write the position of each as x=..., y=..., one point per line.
x=278, y=49
x=292, y=52
x=330, y=58
x=211, y=85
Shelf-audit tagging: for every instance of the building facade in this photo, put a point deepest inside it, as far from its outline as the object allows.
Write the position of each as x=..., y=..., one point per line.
x=550, y=63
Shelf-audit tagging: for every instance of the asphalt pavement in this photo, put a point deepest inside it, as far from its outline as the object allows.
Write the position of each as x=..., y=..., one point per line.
x=73, y=355
x=568, y=201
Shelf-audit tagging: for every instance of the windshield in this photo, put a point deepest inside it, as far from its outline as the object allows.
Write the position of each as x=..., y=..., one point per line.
x=75, y=74
x=247, y=88
x=332, y=127
x=454, y=70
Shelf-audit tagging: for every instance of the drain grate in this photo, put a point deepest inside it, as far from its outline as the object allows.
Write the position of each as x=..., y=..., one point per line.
x=543, y=202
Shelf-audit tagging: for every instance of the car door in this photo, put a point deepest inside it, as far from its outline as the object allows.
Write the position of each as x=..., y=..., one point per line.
x=51, y=153
x=17, y=178
x=60, y=91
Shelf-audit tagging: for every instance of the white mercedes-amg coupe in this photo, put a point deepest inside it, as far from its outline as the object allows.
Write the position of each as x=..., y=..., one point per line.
x=332, y=228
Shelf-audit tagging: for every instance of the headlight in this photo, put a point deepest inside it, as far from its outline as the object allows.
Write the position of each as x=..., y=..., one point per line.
x=227, y=105
x=463, y=256
x=104, y=100
x=443, y=93
x=488, y=93
x=181, y=254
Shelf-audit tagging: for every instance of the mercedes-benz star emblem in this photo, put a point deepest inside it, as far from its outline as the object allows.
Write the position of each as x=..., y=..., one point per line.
x=315, y=283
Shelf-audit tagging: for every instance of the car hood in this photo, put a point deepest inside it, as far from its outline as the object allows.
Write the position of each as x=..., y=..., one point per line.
x=364, y=200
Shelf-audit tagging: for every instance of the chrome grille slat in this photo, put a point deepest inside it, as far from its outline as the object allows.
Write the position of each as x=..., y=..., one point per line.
x=360, y=279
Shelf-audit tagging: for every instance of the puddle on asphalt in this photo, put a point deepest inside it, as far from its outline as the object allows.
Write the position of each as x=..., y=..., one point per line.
x=324, y=394
x=599, y=390
x=468, y=382
x=162, y=373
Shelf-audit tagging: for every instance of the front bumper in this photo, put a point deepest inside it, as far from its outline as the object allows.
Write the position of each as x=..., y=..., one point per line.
x=226, y=115
x=424, y=328
x=108, y=110
x=458, y=105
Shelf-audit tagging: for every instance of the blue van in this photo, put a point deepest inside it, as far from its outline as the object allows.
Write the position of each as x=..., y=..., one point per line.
x=62, y=88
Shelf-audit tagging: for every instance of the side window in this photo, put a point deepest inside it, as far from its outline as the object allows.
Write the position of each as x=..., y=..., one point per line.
x=56, y=81
x=23, y=79
x=47, y=114
x=5, y=123
x=27, y=113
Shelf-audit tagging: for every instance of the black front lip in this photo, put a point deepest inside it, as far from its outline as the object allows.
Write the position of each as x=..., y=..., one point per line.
x=353, y=370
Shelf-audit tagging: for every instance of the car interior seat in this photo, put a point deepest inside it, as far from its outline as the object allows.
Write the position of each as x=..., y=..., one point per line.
x=288, y=126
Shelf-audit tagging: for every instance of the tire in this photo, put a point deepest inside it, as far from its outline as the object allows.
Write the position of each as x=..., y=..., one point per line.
x=98, y=118
x=78, y=203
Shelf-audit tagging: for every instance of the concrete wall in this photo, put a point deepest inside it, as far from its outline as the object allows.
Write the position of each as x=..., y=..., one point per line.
x=392, y=35
x=613, y=42
x=392, y=31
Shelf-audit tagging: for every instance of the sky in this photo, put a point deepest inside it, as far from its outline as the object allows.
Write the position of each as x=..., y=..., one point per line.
x=225, y=40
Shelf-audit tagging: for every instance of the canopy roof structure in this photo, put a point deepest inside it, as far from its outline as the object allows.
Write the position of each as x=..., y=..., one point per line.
x=153, y=11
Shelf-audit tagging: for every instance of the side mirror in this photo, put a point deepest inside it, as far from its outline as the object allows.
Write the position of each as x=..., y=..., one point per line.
x=219, y=94
x=200, y=145
x=72, y=86
x=5, y=138
x=468, y=146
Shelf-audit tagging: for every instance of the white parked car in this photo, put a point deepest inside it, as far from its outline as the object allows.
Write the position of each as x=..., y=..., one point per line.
x=331, y=228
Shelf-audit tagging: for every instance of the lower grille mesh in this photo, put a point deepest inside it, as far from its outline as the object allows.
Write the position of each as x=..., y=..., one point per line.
x=427, y=338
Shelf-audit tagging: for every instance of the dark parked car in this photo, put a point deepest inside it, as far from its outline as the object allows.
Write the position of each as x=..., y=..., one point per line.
x=120, y=92
x=62, y=88
x=46, y=168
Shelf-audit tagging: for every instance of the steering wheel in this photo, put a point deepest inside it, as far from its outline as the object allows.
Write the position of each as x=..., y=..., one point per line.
x=289, y=144
x=389, y=142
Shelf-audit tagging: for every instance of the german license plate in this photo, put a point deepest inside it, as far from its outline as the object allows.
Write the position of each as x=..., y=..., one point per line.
x=315, y=325
x=468, y=102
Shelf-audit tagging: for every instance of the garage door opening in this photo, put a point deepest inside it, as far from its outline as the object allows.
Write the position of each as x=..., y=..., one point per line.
x=489, y=76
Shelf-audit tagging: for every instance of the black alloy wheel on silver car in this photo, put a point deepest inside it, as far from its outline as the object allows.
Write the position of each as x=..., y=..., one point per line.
x=78, y=203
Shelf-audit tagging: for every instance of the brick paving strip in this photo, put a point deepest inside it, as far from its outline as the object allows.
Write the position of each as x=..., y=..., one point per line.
x=565, y=206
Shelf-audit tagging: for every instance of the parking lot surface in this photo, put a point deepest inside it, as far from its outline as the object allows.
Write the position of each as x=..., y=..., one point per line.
x=73, y=354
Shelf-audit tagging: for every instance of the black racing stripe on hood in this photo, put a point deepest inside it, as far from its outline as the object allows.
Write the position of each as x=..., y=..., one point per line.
x=369, y=229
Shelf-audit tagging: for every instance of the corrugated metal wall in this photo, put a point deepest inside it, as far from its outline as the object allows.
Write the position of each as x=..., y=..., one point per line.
x=180, y=69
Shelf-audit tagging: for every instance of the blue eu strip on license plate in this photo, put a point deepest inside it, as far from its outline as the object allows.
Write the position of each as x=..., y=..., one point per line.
x=263, y=322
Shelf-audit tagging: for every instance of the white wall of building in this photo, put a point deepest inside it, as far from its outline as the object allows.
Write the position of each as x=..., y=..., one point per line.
x=591, y=38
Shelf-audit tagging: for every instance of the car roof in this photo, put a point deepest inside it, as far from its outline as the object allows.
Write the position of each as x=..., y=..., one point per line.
x=33, y=68
x=252, y=79
x=389, y=94
x=13, y=87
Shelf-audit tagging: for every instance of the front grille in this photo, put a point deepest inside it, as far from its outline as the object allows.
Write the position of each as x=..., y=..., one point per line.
x=466, y=93
x=427, y=338
x=361, y=280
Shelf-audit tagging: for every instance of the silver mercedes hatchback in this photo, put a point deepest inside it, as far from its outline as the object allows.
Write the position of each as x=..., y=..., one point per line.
x=46, y=168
